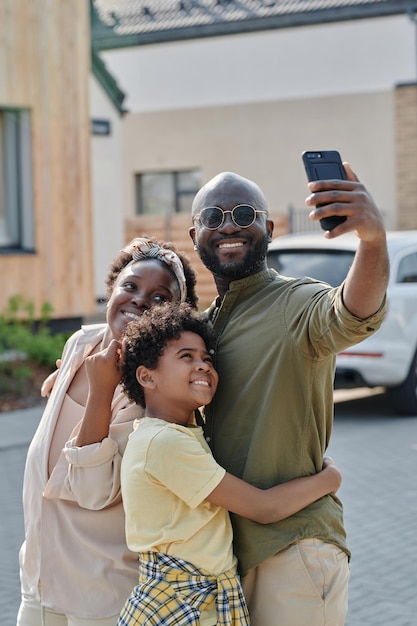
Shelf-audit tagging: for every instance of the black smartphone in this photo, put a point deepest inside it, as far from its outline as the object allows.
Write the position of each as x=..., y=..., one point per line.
x=325, y=165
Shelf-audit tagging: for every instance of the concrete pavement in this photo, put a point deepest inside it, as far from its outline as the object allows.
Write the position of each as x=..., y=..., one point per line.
x=17, y=429
x=377, y=453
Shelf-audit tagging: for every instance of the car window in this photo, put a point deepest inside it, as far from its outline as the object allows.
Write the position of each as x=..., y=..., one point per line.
x=407, y=269
x=331, y=266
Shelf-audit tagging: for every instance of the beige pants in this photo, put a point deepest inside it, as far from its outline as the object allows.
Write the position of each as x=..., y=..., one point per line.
x=31, y=613
x=304, y=585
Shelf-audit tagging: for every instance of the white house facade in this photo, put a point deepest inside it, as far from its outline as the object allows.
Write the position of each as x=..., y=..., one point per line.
x=253, y=101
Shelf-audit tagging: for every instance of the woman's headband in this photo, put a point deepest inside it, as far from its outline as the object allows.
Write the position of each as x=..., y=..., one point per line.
x=141, y=249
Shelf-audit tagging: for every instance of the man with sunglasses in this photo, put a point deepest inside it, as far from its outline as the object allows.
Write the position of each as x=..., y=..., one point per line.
x=271, y=418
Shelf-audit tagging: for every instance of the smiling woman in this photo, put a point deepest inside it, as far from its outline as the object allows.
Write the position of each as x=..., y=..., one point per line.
x=81, y=439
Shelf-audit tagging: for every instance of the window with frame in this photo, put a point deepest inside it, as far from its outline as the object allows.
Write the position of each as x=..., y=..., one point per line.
x=166, y=193
x=16, y=198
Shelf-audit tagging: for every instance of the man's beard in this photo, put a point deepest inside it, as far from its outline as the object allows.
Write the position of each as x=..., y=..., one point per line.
x=233, y=270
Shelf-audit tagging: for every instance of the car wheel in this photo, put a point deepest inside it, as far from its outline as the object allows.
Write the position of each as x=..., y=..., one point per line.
x=404, y=396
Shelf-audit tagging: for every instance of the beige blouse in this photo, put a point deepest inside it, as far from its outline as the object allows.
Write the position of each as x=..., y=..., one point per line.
x=74, y=558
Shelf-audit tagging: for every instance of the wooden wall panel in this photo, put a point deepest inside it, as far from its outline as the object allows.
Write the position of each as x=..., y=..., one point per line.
x=45, y=66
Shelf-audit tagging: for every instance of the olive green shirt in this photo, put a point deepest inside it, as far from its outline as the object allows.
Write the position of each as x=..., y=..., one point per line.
x=271, y=418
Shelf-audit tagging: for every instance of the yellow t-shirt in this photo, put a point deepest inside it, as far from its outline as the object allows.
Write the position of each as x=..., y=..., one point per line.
x=167, y=472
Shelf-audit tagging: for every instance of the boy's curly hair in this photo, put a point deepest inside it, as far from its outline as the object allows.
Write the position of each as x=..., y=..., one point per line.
x=145, y=340
x=124, y=258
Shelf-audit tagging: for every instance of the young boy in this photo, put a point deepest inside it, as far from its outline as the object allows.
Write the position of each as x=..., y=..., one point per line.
x=175, y=495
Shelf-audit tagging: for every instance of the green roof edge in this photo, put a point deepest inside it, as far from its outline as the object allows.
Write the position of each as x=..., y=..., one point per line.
x=107, y=81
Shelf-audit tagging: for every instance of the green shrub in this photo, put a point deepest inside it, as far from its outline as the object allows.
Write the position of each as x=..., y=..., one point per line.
x=13, y=376
x=24, y=343
x=17, y=332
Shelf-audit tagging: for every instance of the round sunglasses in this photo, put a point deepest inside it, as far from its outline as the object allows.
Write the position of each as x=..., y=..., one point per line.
x=243, y=216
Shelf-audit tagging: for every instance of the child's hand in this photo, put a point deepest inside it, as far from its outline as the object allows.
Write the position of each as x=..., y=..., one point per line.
x=104, y=369
x=331, y=468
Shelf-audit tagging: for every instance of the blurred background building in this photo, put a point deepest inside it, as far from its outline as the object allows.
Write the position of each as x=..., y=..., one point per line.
x=114, y=113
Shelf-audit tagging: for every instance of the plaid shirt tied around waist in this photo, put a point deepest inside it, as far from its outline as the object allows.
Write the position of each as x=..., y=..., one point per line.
x=173, y=591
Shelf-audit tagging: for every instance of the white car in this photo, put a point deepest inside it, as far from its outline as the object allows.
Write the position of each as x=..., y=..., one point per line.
x=388, y=358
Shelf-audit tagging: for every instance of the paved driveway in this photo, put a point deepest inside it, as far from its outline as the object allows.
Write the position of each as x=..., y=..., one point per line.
x=377, y=453
x=16, y=429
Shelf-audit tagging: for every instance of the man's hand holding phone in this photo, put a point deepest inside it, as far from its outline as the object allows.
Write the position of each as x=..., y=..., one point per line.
x=346, y=199
x=325, y=165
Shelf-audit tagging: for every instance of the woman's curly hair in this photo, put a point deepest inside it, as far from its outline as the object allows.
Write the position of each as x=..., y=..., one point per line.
x=124, y=258
x=145, y=340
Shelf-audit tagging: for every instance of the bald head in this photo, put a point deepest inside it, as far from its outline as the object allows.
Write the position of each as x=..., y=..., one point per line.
x=229, y=187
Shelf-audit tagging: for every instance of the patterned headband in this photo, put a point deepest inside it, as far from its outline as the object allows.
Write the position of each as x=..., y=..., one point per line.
x=142, y=249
